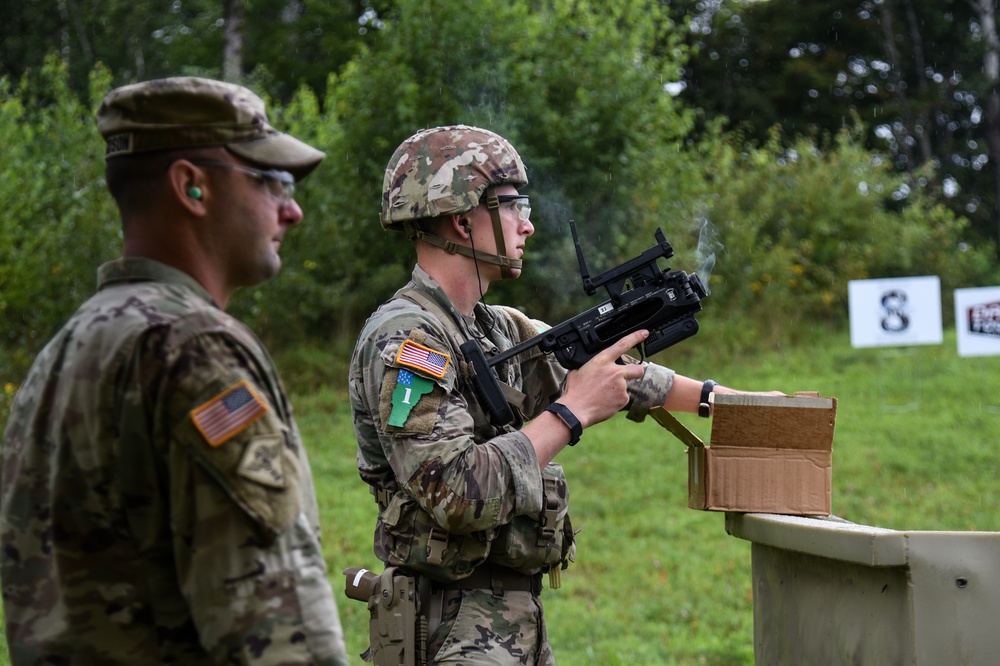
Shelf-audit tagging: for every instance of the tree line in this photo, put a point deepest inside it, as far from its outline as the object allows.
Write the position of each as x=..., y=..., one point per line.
x=922, y=75
x=586, y=91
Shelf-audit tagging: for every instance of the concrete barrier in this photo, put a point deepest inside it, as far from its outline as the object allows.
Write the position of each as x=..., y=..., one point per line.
x=827, y=591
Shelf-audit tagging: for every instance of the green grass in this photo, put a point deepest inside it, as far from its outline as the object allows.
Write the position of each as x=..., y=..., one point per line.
x=658, y=583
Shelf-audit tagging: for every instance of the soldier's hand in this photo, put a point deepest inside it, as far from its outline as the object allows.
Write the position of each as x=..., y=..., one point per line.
x=597, y=391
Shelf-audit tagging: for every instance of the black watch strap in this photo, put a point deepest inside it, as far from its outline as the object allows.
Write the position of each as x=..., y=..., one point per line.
x=569, y=418
x=704, y=408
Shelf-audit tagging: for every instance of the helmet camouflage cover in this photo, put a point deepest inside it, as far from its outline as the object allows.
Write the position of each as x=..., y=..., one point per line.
x=445, y=170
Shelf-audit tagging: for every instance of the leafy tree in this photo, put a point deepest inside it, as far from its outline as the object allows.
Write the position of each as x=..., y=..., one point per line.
x=780, y=62
x=576, y=87
x=161, y=39
x=795, y=223
x=917, y=72
x=285, y=43
x=299, y=42
x=59, y=223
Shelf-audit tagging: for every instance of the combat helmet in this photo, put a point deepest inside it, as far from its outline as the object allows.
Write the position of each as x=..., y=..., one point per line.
x=446, y=171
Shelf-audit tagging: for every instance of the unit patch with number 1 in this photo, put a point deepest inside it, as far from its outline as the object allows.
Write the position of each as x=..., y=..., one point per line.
x=409, y=389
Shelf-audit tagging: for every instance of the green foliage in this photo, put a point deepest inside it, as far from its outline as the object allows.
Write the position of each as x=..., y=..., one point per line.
x=785, y=61
x=59, y=222
x=918, y=72
x=300, y=43
x=605, y=145
x=589, y=127
x=285, y=44
x=794, y=225
x=600, y=135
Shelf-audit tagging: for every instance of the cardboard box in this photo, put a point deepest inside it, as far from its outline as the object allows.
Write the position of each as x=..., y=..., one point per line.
x=767, y=454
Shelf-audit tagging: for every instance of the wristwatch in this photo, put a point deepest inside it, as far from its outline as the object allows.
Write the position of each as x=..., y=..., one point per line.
x=569, y=418
x=704, y=408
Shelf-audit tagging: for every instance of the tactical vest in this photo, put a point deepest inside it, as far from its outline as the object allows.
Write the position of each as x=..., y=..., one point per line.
x=529, y=543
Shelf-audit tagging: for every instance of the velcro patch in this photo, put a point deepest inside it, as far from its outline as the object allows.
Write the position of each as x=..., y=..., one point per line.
x=228, y=413
x=424, y=359
x=261, y=461
x=417, y=418
x=409, y=389
x=118, y=144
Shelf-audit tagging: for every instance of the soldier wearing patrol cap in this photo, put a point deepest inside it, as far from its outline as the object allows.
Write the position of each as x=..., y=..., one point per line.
x=476, y=514
x=156, y=502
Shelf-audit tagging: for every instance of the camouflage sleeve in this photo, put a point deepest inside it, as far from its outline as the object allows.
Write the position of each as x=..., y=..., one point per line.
x=441, y=451
x=243, y=519
x=543, y=378
x=649, y=391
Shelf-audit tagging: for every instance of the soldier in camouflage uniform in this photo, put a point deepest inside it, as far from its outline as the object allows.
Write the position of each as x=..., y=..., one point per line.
x=156, y=501
x=477, y=513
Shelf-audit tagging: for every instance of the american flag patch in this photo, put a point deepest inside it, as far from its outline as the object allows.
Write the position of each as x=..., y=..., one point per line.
x=228, y=413
x=423, y=358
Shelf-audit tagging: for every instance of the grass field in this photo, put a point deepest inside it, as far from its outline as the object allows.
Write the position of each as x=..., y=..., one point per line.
x=658, y=583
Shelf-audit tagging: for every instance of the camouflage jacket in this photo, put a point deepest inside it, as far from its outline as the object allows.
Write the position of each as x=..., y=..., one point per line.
x=439, y=470
x=156, y=501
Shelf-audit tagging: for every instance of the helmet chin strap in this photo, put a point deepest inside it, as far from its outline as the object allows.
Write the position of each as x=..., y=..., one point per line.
x=506, y=264
x=493, y=204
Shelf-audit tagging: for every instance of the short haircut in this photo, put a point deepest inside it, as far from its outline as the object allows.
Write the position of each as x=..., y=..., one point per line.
x=135, y=180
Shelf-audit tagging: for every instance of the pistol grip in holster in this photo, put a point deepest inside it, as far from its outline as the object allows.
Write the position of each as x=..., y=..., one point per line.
x=398, y=628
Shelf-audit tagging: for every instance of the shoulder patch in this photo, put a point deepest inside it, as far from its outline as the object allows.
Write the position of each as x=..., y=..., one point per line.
x=424, y=359
x=409, y=389
x=262, y=461
x=228, y=413
x=409, y=403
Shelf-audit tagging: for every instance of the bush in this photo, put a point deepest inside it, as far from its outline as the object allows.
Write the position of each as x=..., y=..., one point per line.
x=795, y=225
x=58, y=223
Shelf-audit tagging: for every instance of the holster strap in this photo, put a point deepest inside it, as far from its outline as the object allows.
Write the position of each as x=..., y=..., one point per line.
x=382, y=496
x=497, y=579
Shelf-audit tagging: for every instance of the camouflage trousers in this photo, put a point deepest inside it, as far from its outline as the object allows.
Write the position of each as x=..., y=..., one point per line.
x=476, y=627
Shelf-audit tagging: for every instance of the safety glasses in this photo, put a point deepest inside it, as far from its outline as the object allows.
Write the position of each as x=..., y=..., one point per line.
x=280, y=184
x=520, y=201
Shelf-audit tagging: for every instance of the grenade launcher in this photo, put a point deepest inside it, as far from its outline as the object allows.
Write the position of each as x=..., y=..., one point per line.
x=642, y=297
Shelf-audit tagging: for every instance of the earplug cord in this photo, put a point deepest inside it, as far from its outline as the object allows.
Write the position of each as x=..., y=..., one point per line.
x=482, y=296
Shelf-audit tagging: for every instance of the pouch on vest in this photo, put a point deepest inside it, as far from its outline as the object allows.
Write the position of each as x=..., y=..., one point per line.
x=541, y=541
x=416, y=542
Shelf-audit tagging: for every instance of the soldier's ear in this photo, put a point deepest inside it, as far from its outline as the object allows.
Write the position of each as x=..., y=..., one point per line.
x=188, y=184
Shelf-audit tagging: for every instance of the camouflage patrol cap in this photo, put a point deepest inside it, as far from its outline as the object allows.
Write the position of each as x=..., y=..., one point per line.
x=190, y=112
x=445, y=170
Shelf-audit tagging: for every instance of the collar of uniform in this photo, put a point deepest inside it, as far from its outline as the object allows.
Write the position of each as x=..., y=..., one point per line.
x=138, y=269
x=430, y=287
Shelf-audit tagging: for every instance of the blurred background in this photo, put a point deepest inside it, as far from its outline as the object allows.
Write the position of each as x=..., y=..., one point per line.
x=784, y=147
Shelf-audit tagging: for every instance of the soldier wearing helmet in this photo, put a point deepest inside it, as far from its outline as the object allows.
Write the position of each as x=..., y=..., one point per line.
x=475, y=513
x=451, y=171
